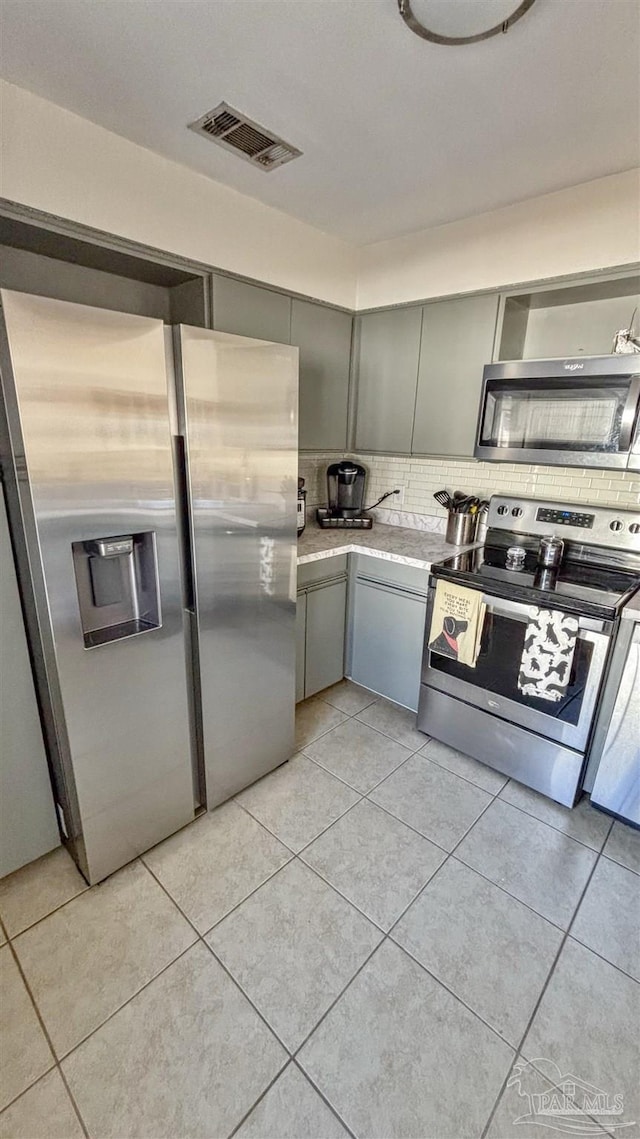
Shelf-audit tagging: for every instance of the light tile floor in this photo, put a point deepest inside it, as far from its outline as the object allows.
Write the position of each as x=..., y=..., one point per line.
x=383, y=939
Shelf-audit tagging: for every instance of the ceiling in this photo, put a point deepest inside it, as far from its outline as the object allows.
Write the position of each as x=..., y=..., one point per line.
x=398, y=134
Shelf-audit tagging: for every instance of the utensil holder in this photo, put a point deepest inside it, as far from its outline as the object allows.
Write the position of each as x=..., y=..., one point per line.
x=461, y=529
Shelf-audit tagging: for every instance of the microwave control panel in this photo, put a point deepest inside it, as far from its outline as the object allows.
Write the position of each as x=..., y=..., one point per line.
x=564, y=517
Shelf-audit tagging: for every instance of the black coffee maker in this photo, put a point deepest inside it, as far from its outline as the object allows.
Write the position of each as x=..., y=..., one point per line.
x=345, y=489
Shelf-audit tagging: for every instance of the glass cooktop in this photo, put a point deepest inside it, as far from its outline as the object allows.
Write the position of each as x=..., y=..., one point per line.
x=577, y=586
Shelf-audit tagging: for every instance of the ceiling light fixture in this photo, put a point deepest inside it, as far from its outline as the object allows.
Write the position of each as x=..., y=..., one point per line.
x=456, y=22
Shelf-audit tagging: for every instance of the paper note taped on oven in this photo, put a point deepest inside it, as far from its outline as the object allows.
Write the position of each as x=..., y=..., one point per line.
x=456, y=622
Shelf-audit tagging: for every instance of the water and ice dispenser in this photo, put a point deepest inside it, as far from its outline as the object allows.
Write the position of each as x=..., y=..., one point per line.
x=117, y=583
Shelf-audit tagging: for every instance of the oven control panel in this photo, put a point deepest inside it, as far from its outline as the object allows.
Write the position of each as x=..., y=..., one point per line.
x=564, y=517
x=532, y=518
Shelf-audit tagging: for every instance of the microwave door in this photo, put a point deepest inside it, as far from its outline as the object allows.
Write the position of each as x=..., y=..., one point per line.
x=586, y=422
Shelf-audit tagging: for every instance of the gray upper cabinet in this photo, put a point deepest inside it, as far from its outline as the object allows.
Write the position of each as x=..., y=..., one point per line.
x=387, y=374
x=249, y=310
x=457, y=341
x=323, y=336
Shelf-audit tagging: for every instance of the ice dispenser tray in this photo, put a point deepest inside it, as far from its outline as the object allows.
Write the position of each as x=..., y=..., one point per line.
x=117, y=583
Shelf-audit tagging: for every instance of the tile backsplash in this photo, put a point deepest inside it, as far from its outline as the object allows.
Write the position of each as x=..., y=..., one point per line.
x=422, y=477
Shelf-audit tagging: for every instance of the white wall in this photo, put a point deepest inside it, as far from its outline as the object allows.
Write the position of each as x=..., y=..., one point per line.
x=63, y=164
x=591, y=226
x=58, y=162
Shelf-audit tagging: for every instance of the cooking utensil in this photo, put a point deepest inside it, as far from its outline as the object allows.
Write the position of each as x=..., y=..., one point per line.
x=465, y=504
x=444, y=499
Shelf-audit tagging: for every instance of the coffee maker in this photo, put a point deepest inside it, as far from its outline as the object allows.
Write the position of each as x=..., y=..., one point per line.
x=345, y=491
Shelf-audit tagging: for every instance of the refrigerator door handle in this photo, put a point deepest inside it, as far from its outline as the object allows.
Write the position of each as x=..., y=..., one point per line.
x=184, y=523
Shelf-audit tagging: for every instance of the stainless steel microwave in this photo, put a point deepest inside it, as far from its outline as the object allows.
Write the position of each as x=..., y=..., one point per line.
x=570, y=413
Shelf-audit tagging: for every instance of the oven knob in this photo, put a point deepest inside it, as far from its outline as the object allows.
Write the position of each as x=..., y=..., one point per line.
x=634, y=528
x=517, y=511
x=503, y=510
x=616, y=525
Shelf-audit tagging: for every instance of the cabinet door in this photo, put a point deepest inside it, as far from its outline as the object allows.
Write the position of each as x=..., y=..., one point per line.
x=326, y=610
x=387, y=375
x=457, y=341
x=249, y=310
x=387, y=635
x=323, y=336
x=301, y=638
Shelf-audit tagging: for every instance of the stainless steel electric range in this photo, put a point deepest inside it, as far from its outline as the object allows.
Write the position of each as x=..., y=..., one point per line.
x=482, y=710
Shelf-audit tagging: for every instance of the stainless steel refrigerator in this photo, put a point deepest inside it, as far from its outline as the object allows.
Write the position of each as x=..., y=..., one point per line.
x=154, y=531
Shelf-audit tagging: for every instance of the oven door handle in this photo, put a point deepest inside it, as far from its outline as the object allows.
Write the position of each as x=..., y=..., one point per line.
x=629, y=415
x=519, y=611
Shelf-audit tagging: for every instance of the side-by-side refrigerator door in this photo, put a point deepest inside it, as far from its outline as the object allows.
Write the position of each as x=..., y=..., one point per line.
x=88, y=442
x=238, y=401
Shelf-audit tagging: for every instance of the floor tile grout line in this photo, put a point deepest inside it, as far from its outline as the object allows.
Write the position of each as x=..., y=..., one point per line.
x=55, y=1058
x=617, y=863
x=464, y=778
x=503, y=889
x=387, y=937
x=569, y=937
x=618, y=968
x=227, y=913
x=124, y=1004
x=337, y=998
x=295, y=853
x=452, y=993
x=324, y=1098
x=379, y=731
x=260, y=1098
x=331, y=825
x=353, y=715
x=595, y=849
x=545, y=986
x=350, y=785
x=202, y=937
x=394, y=739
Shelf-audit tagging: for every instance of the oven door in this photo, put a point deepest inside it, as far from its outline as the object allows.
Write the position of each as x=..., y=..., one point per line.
x=493, y=684
x=585, y=422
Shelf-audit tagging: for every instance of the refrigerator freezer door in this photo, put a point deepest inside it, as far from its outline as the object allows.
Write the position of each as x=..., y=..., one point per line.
x=238, y=401
x=90, y=444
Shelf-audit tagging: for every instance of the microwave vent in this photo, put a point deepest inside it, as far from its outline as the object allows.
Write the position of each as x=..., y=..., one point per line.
x=235, y=132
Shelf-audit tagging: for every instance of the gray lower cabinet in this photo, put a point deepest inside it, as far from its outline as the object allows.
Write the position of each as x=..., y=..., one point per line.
x=457, y=341
x=387, y=353
x=320, y=630
x=388, y=608
x=323, y=336
x=250, y=310
x=28, y=824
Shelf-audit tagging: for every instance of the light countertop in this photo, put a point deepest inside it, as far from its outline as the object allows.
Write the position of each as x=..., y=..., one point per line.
x=392, y=543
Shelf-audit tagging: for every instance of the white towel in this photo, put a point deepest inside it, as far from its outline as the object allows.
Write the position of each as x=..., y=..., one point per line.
x=547, y=656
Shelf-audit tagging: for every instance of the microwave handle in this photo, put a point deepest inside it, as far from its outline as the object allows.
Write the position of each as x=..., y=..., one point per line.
x=629, y=414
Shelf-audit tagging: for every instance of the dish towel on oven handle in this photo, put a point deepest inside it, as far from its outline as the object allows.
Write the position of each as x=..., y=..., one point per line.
x=547, y=656
x=456, y=622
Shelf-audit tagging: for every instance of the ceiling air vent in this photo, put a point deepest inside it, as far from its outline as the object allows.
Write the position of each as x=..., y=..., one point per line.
x=234, y=131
